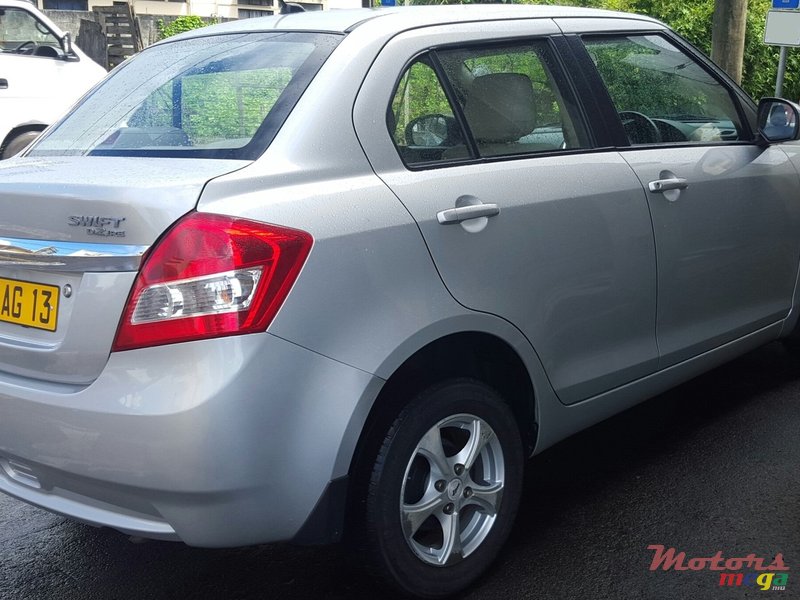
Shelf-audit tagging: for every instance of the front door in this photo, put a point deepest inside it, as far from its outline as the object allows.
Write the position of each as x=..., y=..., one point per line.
x=725, y=210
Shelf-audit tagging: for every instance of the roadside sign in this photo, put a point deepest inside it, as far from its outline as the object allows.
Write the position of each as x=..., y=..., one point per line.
x=783, y=28
x=785, y=4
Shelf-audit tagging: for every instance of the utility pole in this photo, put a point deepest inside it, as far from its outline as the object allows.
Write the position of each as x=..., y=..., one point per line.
x=727, y=36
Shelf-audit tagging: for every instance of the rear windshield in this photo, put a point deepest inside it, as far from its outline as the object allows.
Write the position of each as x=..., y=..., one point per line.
x=221, y=96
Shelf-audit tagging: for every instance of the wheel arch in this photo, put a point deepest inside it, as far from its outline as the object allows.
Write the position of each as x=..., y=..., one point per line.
x=18, y=130
x=481, y=355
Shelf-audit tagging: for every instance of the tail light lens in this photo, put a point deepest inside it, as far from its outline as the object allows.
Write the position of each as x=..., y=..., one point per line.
x=211, y=276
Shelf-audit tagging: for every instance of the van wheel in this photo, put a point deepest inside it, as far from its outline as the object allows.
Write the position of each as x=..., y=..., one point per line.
x=444, y=489
x=18, y=143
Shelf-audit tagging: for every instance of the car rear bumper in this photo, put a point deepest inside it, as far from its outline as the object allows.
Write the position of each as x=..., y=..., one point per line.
x=223, y=442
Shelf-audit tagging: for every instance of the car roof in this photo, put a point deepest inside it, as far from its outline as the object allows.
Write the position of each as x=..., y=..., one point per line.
x=405, y=17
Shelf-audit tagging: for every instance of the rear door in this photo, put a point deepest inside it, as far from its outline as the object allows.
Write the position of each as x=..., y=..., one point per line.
x=724, y=208
x=486, y=146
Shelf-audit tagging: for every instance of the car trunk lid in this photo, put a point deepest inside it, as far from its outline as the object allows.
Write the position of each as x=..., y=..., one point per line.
x=71, y=240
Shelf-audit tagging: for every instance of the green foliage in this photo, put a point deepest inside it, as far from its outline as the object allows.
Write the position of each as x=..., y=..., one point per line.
x=181, y=24
x=216, y=106
x=230, y=105
x=652, y=91
x=419, y=93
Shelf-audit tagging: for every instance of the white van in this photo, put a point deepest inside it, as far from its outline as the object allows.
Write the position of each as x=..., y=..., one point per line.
x=42, y=74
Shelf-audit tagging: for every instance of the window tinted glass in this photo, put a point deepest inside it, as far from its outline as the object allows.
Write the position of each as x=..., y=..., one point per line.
x=661, y=94
x=512, y=100
x=218, y=97
x=421, y=119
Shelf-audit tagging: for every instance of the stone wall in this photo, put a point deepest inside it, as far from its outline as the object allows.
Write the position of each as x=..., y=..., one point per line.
x=85, y=30
x=69, y=20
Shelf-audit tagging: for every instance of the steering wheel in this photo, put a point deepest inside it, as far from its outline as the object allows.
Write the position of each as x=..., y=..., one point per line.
x=639, y=128
x=21, y=48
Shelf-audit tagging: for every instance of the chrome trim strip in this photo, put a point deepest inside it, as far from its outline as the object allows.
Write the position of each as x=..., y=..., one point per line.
x=69, y=256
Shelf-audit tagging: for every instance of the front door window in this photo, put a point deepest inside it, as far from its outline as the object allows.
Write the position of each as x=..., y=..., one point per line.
x=661, y=94
x=22, y=33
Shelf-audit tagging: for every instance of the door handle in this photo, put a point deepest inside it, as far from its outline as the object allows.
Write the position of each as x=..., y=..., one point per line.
x=3, y=84
x=464, y=213
x=664, y=185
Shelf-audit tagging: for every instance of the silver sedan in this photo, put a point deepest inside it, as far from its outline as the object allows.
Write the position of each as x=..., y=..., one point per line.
x=338, y=274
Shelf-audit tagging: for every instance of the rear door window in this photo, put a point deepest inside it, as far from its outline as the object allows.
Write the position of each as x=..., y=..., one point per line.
x=513, y=99
x=484, y=102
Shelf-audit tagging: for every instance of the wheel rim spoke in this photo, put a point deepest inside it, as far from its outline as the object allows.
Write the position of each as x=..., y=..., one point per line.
x=486, y=497
x=451, y=530
x=480, y=434
x=414, y=515
x=431, y=448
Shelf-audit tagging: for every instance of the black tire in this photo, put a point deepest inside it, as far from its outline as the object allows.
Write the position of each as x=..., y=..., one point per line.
x=18, y=143
x=407, y=550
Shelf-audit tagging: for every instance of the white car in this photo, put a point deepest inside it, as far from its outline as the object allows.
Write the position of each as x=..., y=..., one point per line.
x=42, y=74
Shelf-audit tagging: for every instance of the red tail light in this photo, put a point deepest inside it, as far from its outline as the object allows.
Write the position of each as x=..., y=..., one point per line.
x=211, y=276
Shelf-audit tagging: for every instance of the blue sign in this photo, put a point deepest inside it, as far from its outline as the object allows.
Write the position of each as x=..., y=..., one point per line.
x=785, y=3
x=393, y=3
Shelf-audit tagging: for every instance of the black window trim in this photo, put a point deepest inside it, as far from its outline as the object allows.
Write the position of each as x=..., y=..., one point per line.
x=618, y=138
x=458, y=113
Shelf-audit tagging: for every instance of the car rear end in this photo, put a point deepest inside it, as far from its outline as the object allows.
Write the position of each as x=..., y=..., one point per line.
x=140, y=388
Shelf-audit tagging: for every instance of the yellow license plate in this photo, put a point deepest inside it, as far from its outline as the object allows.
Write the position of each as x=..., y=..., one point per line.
x=29, y=304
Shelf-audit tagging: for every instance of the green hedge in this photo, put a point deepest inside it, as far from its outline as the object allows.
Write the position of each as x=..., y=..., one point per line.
x=181, y=24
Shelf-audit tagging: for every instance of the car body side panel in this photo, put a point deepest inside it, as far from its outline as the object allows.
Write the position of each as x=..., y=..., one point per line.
x=41, y=89
x=558, y=421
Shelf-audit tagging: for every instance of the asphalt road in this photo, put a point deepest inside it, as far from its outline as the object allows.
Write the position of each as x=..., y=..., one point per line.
x=710, y=466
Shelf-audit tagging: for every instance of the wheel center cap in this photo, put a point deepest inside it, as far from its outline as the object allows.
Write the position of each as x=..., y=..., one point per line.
x=454, y=489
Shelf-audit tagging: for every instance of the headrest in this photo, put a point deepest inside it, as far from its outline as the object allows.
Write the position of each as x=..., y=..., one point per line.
x=500, y=107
